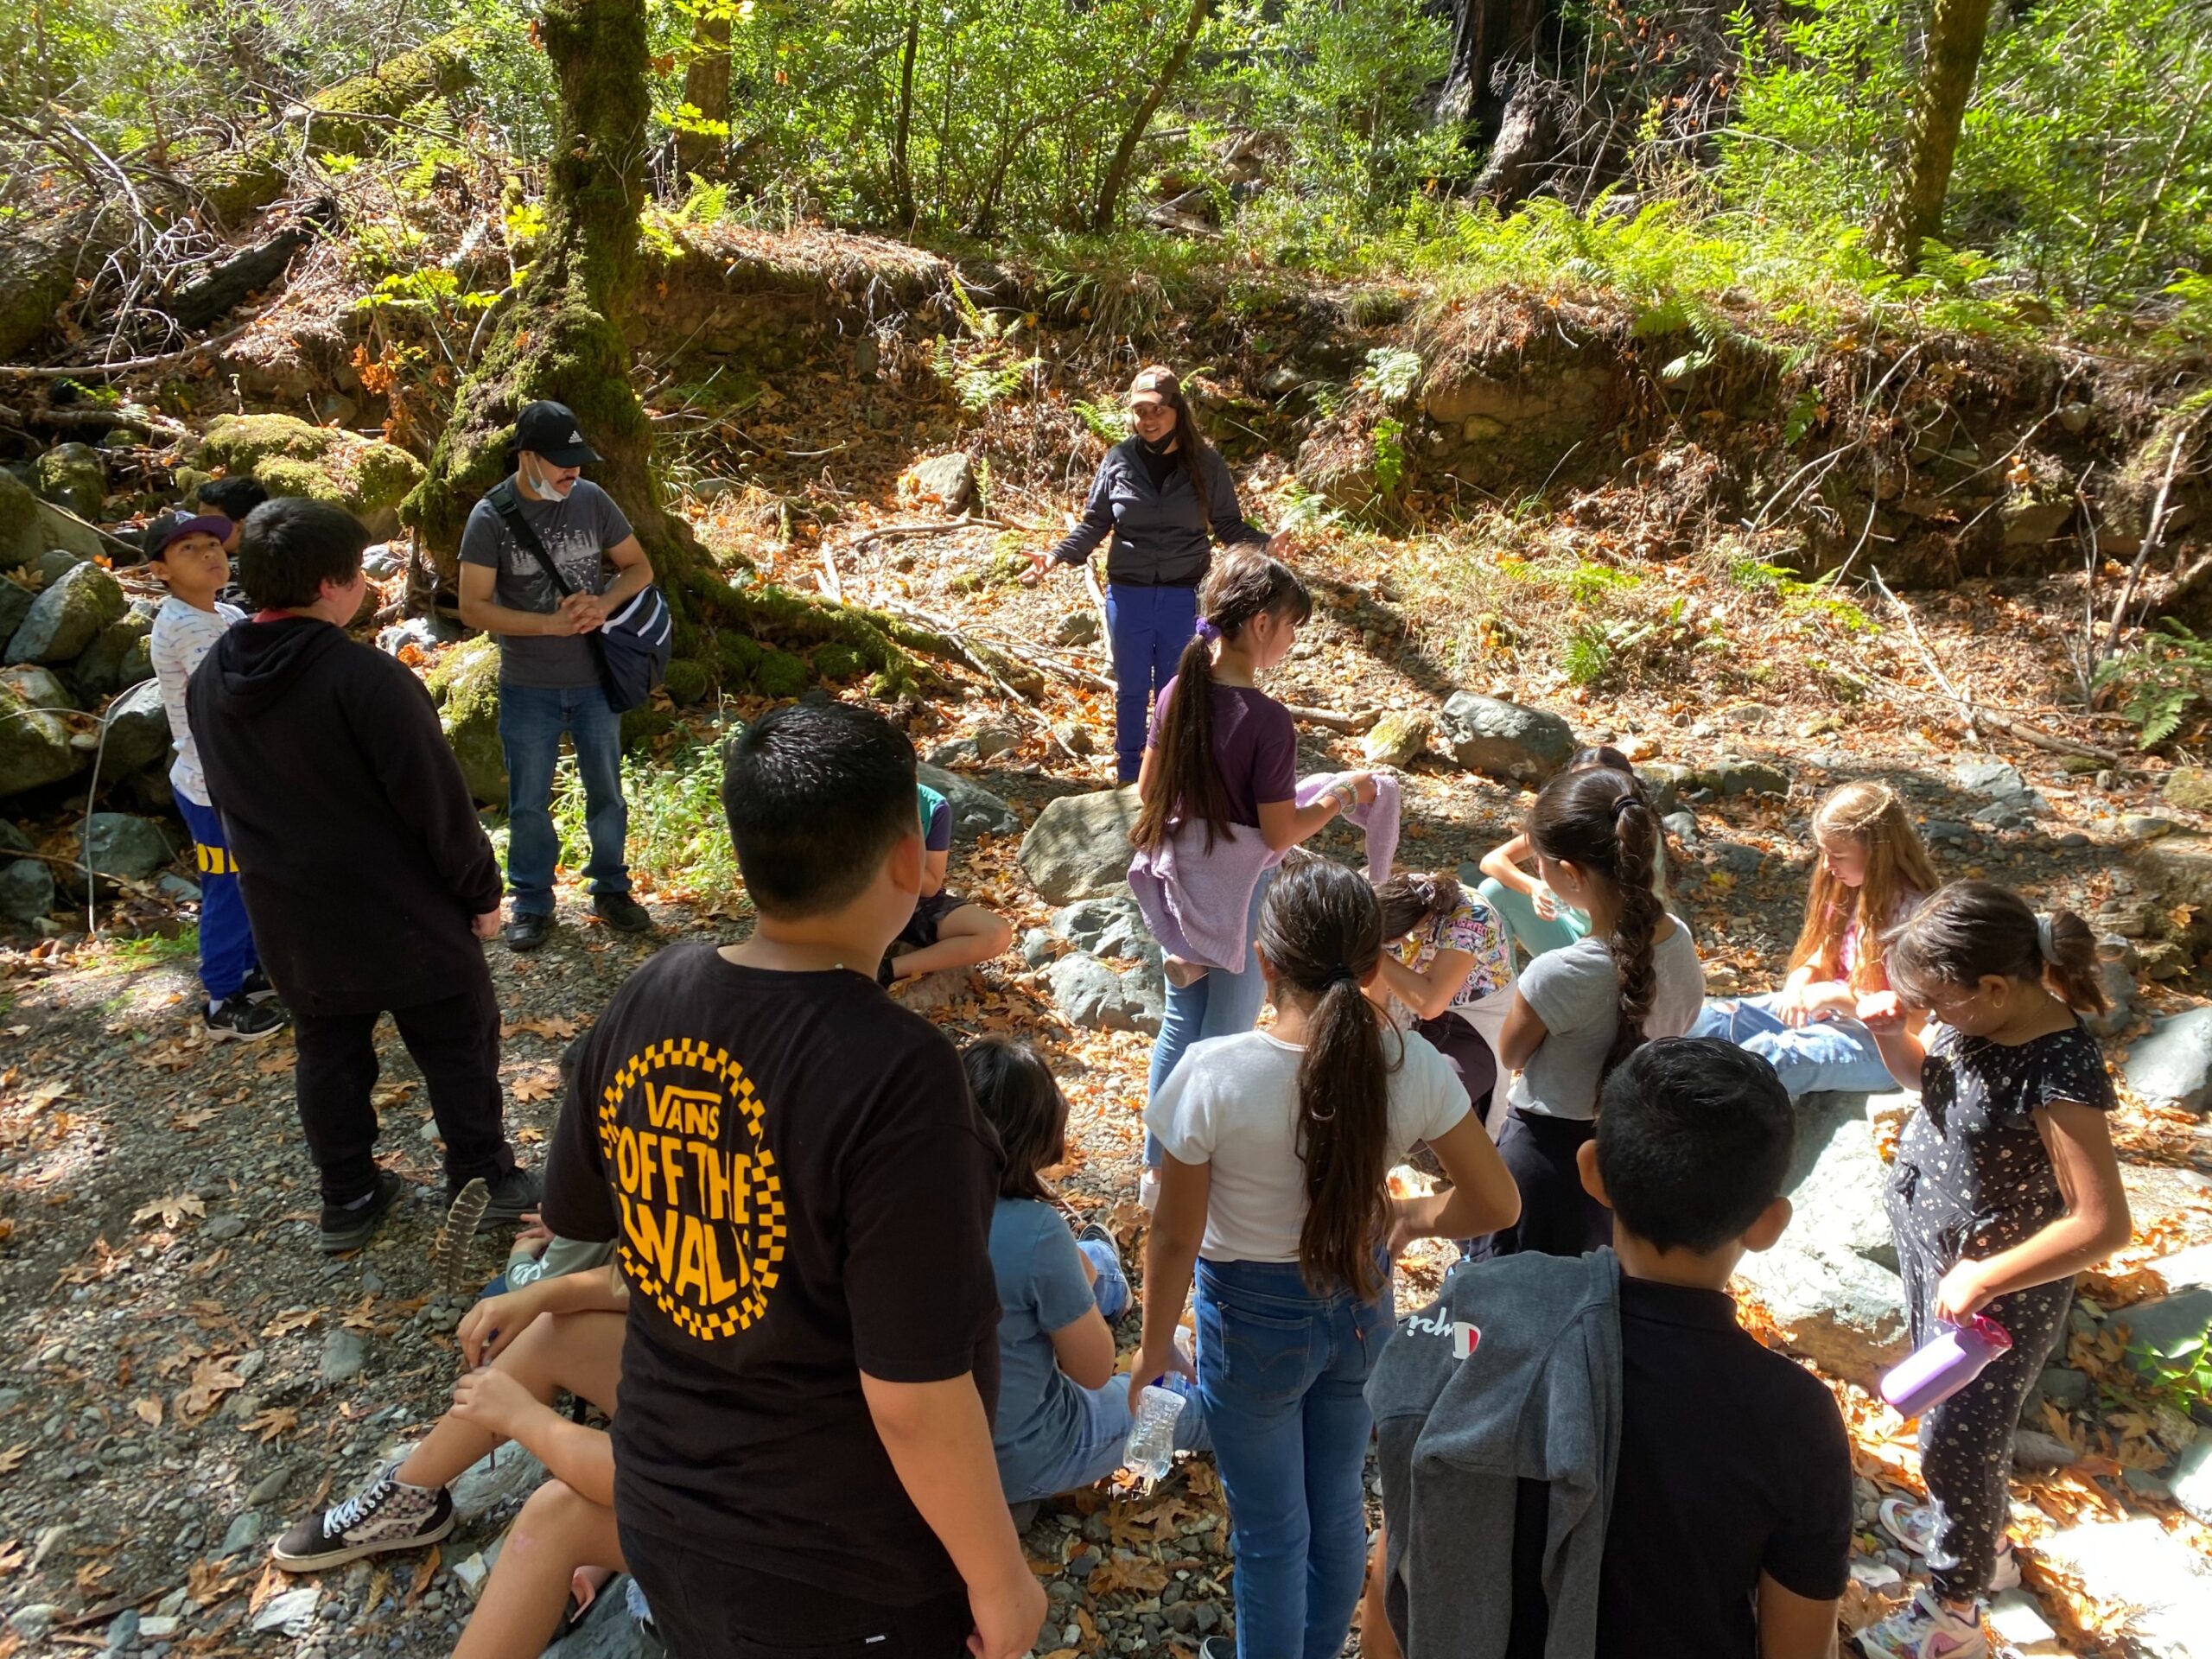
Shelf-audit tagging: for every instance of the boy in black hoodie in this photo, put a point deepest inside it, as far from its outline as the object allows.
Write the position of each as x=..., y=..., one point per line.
x=367, y=876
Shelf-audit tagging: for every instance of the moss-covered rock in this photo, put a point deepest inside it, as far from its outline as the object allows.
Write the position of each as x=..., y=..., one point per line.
x=68, y=616
x=839, y=662
x=34, y=748
x=465, y=687
x=644, y=723
x=290, y=456
x=119, y=657
x=73, y=475
x=688, y=680
x=23, y=535
x=781, y=674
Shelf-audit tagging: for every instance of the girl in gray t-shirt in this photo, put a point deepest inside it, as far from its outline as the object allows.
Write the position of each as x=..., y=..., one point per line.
x=1581, y=1011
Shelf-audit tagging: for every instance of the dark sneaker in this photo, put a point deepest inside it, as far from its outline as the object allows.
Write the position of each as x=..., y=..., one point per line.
x=347, y=1227
x=234, y=1020
x=515, y=1194
x=622, y=913
x=527, y=932
x=385, y=1515
x=1103, y=1234
x=256, y=988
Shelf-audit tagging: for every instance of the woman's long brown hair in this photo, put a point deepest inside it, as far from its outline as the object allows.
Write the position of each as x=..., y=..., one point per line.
x=1871, y=814
x=1190, y=438
x=1185, y=783
x=1321, y=933
x=1601, y=822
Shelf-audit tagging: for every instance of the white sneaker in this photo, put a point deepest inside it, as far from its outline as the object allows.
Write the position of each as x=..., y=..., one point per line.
x=1148, y=1191
x=1913, y=1525
x=1923, y=1629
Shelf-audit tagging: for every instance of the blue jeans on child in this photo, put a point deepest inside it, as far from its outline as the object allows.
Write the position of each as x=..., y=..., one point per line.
x=1829, y=1054
x=1096, y=1450
x=1218, y=1003
x=531, y=721
x=1282, y=1375
x=1147, y=628
x=226, y=952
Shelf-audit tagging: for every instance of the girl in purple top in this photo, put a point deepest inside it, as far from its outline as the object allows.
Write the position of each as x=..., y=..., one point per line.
x=1223, y=751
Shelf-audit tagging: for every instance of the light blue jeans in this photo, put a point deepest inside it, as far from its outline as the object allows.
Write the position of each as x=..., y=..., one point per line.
x=531, y=719
x=1282, y=1375
x=1103, y=1433
x=1829, y=1054
x=1218, y=1003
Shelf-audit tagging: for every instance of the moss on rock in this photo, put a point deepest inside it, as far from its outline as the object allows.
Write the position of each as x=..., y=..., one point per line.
x=839, y=662
x=366, y=477
x=688, y=680
x=465, y=687
x=644, y=723
x=781, y=674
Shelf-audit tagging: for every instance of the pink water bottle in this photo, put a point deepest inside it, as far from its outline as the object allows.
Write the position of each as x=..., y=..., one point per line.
x=1943, y=1364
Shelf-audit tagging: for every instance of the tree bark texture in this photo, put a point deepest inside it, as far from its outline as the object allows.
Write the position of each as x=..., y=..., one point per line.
x=1956, y=31
x=1485, y=33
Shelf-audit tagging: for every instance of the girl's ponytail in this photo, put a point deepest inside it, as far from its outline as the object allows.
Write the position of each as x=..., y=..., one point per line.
x=1601, y=822
x=1185, y=783
x=1412, y=897
x=1321, y=933
x=1973, y=929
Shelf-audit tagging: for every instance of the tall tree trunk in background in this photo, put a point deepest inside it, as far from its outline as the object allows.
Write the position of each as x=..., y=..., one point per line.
x=706, y=89
x=902, y=170
x=1485, y=33
x=1956, y=31
x=1118, y=170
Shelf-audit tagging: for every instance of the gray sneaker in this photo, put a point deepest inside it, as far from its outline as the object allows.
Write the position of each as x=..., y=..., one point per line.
x=385, y=1515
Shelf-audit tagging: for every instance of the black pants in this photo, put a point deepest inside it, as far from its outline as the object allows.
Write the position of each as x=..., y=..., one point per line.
x=705, y=1607
x=1965, y=1443
x=1468, y=1054
x=1557, y=1217
x=456, y=1042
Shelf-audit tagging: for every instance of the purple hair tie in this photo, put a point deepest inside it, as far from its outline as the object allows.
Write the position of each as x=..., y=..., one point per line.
x=1206, y=631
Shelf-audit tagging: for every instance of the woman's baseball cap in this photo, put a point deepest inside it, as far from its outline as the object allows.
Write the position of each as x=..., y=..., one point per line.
x=1153, y=386
x=550, y=429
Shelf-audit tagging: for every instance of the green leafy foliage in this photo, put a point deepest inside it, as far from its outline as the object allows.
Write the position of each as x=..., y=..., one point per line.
x=678, y=832
x=2162, y=682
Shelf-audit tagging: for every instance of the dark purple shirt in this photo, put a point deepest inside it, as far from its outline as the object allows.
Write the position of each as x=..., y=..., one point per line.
x=1255, y=744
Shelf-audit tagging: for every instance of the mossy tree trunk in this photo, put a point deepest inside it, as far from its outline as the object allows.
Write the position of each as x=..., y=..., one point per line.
x=703, y=140
x=559, y=339
x=1956, y=31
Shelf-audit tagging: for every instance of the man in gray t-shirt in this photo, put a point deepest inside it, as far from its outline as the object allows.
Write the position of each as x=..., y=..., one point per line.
x=549, y=665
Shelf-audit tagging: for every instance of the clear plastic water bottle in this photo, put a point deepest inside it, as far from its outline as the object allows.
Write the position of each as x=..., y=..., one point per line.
x=1151, y=1451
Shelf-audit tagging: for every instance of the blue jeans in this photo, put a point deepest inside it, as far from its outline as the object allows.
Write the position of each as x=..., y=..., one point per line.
x=1112, y=1285
x=1218, y=1003
x=1829, y=1054
x=1282, y=1375
x=531, y=721
x=226, y=952
x=1147, y=628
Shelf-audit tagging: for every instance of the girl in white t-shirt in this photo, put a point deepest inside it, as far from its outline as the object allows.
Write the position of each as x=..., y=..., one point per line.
x=1275, y=1192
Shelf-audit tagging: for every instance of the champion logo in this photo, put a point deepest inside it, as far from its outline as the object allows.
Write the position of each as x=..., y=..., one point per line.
x=1465, y=1337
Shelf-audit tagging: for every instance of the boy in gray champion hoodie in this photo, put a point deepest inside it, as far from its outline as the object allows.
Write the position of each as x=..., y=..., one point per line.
x=1586, y=1456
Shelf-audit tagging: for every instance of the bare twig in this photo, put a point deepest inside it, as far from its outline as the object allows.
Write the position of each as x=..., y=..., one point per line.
x=1351, y=725
x=1927, y=657
x=128, y=366
x=965, y=521
x=2151, y=531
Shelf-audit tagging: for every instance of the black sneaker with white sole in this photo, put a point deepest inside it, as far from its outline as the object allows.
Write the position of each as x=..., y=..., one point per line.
x=256, y=988
x=514, y=1195
x=385, y=1515
x=235, y=1020
x=348, y=1226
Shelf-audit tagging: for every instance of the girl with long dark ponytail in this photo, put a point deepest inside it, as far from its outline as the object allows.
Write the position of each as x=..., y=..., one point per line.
x=1580, y=1010
x=1274, y=1192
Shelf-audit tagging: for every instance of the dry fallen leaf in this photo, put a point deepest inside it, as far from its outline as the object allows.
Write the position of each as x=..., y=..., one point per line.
x=294, y=1318
x=212, y=1378
x=278, y=1420
x=148, y=1411
x=172, y=1210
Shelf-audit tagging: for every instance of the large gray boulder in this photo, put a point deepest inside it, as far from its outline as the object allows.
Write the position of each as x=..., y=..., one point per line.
x=2172, y=1065
x=68, y=616
x=1503, y=740
x=137, y=732
x=976, y=810
x=23, y=535
x=34, y=748
x=1091, y=994
x=73, y=475
x=121, y=847
x=15, y=601
x=27, y=889
x=122, y=655
x=1831, y=1281
x=1079, y=846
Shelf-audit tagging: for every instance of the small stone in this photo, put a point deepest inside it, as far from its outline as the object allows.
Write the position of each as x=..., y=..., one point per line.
x=343, y=1355
x=2189, y=788
x=1205, y=1618
x=1038, y=946
x=159, y=1627
x=2033, y=1449
x=292, y=1612
x=1732, y=775
x=2015, y=1619
x=244, y=1529
x=270, y=1487
x=996, y=740
x=2140, y=827
x=123, y=1632
x=1398, y=739
x=1076, y=736
x=1077, y=628
x=948, y=480
x=229, y=1225
x=2064, y=1387
x=32, y=1621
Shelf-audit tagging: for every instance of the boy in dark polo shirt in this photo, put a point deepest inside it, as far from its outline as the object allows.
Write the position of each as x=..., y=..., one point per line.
x=1728, y=1531
x=799, y=1189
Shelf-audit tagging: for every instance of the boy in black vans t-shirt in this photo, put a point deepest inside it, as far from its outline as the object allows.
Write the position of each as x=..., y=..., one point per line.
x=799, y=1190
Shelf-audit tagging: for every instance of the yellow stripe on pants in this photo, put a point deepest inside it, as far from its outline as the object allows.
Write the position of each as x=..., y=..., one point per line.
x=215, y=860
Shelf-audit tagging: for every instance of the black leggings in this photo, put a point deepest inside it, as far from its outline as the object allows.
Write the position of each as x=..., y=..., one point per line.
x=1557, y=1217
x=1965, y=1443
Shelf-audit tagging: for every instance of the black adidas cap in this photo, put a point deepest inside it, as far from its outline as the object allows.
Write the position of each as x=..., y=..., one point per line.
x=550, y=429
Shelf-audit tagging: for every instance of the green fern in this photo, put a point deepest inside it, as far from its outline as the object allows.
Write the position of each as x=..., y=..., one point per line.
x=2162, y=681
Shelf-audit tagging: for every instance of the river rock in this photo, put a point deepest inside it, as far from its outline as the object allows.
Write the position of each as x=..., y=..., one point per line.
x=1501, y=739
x=15, y=601
x=23, y=535
x=1831, y=1282
x=1091, y=994
x=1079, y=845
x=2167, y=1328
x=68, y=616
x=137, y=732
x=2192, y=1479
x=27, y=889
x=1103, y=926
x=34, y=748
x=466, y=688
x=1398, y=739
x=2172, y=1065
x=2189, y=788
x=949, y=480
x=2138, y=1564
x=122, y=656
x=1733, y=775
x=117, y=844
x=366, y=477
x=344, y=1354
x=1077, y=628
x=506, y=1475
x=976, y=810
x=39, y=687
x=74, y=476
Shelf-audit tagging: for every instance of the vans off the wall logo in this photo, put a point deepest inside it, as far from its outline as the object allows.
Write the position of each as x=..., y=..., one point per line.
x=702, y=1200
x=1466, y=1338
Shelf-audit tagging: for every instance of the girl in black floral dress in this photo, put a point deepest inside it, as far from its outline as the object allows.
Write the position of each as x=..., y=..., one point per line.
x=2005, y=1186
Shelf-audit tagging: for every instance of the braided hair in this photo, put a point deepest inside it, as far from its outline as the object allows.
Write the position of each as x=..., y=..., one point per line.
x=1601, y=822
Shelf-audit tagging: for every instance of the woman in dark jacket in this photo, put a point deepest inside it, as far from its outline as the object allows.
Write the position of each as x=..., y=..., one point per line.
x=1166, y=496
